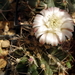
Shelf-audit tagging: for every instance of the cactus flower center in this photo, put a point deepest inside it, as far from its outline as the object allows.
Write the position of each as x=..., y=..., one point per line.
x=53, y=22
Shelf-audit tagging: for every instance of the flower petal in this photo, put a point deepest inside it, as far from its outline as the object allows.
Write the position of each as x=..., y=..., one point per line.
x=41, y=29
x=42, y=39
x=38, y=21
x=67, y=33
x=68, y=25
x=52, y=39
x=45, y=13
x=38, y=18
x=66, y=18
x=61, y=37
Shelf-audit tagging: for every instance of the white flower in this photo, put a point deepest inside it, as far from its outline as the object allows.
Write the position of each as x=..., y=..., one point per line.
x=53, y=26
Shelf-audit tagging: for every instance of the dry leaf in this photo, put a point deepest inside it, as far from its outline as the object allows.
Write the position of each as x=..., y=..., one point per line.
x=3, y=63
x=11, y=32
x=5, y=43
x=6, y=28
x=4, y=53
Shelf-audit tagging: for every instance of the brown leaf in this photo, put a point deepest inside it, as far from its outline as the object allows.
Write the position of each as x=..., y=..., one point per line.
x=5, y=43
x=2, y=63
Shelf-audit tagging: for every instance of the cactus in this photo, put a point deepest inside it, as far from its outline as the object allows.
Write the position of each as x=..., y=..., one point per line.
x=48, y=63
x=40, y=58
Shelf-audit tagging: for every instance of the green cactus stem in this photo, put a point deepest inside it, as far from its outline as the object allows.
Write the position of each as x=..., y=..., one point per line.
x=44, y=65
x=33, y=3
x=50, y=3
x=32, y=70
